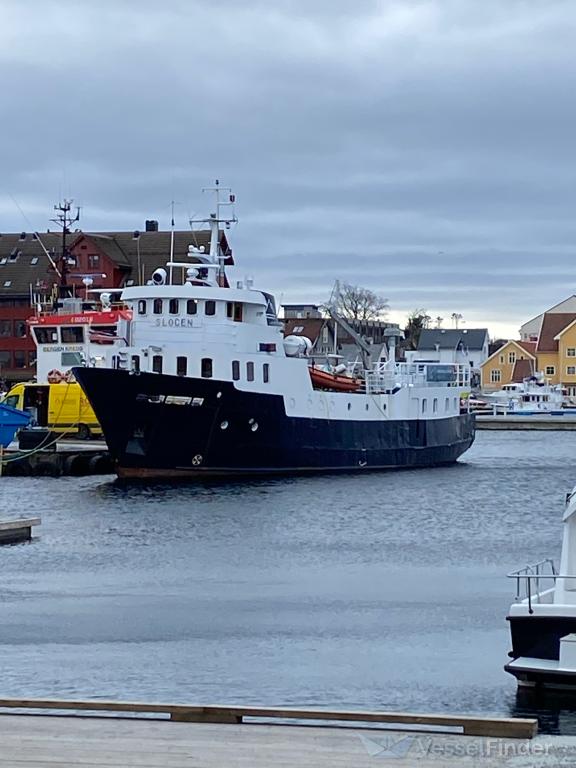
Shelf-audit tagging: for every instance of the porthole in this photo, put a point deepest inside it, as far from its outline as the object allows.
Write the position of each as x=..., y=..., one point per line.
x=224, y=425
x=218, y=395
x=250, y=421
x=349, y=406
x=367, y=406
x=254, y=426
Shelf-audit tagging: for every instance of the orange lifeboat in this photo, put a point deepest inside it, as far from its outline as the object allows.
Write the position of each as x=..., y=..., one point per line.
x=333, y=381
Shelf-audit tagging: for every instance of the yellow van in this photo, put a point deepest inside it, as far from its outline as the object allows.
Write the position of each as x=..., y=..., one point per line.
x=61, y=408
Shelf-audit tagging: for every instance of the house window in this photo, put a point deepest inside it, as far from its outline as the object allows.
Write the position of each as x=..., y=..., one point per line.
x=210, y=308
x=181, y=366
x=250, y=371
x=571, y=370
x=72, y=335
x=173, y=306
x=157, y=306
x=21, y=329
x=571, y=352
x=93, y=260
x=235, y=370
x=157, y=363
x=571, y=391
x=7, y=283
x=206, y=369
x=266, y=373
x=34, y=261
x=325, y=335
x=136, y=363
x=511, y=357
x=502, y=359
x=298, y=329
x=495, y=376
x=191, y=306
x=550, y=370
x=141, y=307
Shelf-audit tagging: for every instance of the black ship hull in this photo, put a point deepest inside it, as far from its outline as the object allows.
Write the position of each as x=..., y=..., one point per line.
x=160, y=426
x=537, y=639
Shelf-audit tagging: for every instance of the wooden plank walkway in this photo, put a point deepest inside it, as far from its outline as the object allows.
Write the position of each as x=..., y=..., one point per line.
x=470, y=725
x=28, y=741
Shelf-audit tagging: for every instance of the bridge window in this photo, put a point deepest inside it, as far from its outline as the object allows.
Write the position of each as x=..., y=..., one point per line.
x=435, y=405
x=250, y=371
x=157, y=306
x=424, y=405
x=235, y=370
x=447, y=405
x=234, y=311
x=266, y=373
x=142, y=307
x=43, y=335
x=173, y=306
x=136, y=363
x=210, y=308
x=72, y=335
x=191, y=306
x=181, y=366
x=157, y=363
x=206, y=368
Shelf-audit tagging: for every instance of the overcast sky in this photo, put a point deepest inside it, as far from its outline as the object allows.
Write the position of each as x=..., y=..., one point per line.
x=423, y=149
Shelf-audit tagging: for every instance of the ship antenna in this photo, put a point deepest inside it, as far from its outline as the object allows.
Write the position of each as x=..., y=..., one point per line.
x=171, y=243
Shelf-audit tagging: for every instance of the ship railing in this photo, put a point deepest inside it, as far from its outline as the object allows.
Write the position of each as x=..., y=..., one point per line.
x=529, y=577
x=386, y=378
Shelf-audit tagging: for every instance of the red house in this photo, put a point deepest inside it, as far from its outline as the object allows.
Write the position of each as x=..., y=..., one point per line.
x=111, y=259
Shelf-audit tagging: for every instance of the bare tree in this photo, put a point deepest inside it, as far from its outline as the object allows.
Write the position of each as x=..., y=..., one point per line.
x=356, y=303
x=456, y=317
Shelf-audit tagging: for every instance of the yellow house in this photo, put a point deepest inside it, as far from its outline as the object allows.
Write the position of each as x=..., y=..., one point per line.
x=556, y=339
x=514, y=361
x=566, y=360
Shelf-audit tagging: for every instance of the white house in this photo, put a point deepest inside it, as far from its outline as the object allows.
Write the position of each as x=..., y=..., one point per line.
x=453, y=346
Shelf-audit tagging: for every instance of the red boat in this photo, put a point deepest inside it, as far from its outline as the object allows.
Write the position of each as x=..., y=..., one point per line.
x=333, y=381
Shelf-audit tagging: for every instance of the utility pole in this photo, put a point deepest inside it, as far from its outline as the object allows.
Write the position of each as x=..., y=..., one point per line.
x=64, y=219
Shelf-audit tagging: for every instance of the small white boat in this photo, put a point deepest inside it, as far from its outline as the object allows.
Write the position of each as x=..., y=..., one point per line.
x=543, y=616
x=531, y=397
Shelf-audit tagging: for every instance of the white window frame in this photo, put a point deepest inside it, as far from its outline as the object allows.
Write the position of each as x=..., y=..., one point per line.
x=495, y=376
x=550, y=370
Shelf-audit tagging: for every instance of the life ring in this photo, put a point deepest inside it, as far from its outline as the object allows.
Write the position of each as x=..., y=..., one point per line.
x=54, y=376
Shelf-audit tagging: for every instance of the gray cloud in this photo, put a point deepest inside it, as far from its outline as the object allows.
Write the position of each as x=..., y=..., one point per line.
x=423, y=148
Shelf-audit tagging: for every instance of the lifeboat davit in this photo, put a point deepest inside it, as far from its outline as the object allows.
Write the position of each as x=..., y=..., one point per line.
x=333, y=381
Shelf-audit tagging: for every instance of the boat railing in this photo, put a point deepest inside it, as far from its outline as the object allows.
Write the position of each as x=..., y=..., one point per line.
x=528, y=580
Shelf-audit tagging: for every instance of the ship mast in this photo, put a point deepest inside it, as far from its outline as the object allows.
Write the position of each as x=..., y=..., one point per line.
x=215, y=219
x=64, y=219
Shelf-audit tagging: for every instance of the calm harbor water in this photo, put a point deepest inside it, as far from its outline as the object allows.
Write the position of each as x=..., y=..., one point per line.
x=382, y=590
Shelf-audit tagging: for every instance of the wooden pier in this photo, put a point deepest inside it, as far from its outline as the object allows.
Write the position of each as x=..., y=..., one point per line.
x=64, y=458
x=15, y=531
x=190, y=736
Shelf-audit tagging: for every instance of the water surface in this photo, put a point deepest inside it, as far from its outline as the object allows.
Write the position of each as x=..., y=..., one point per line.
x=379, y=590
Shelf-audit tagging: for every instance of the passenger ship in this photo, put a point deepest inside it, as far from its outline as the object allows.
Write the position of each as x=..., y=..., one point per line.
x=207, y=386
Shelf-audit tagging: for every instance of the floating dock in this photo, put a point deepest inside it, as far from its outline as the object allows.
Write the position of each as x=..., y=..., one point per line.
x=550, y=423
x=260, y=737
x=15, y=531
